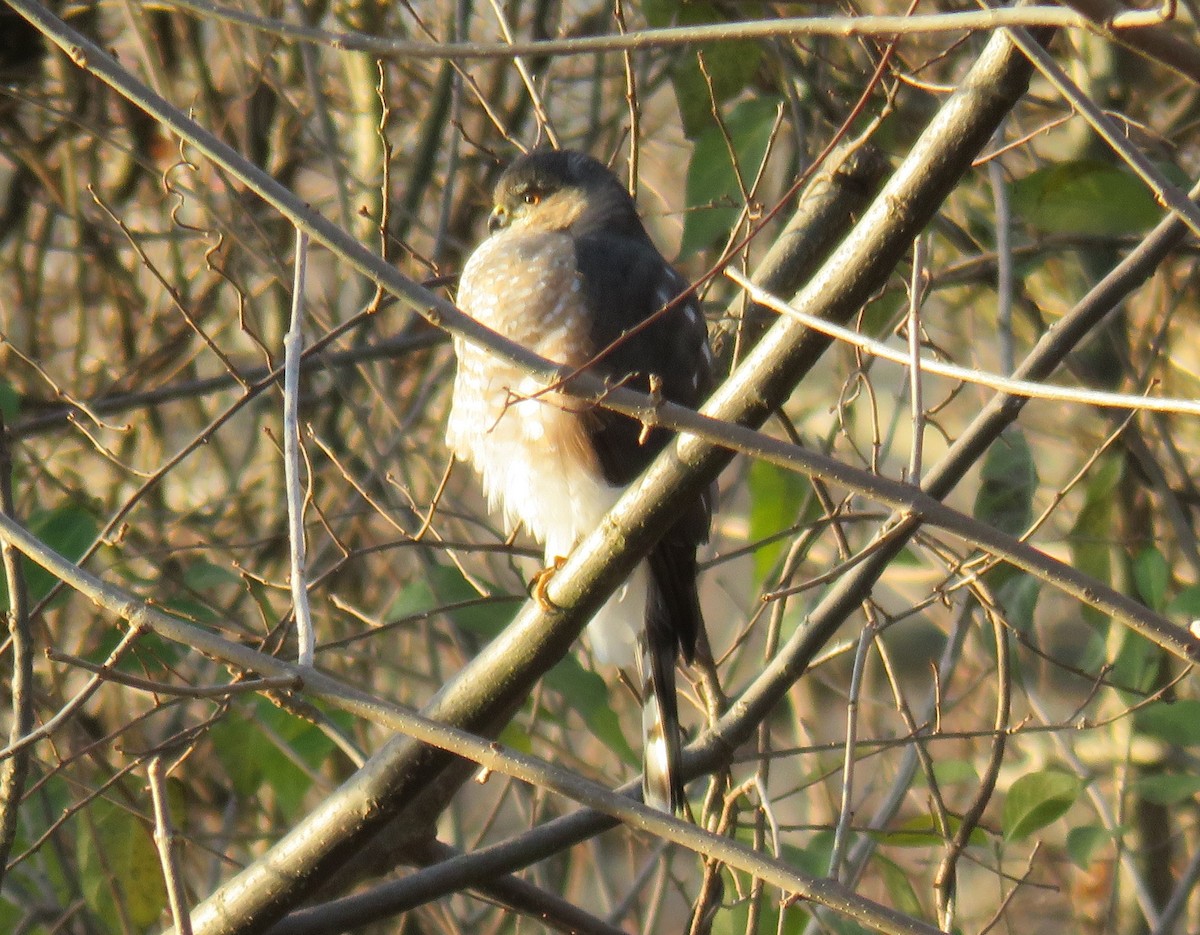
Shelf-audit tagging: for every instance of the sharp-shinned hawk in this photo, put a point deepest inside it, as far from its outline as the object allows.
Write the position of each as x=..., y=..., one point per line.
x=567, y=271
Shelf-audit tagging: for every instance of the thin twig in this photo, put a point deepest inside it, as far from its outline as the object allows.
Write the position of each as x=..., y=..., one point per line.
x=109, y=674
x=539, y=107
x=45, y=417
x=14, y=770
x=81, y=697
x=916, y=396
x=1025, y=388
x=293, y=348
x=945, y=882
x=169, y=287
x=164, y=840
x=849, y=754
x=675, y=36
x=631, y=99
x=856, y=863
x=998, y=915
x=1004, y=262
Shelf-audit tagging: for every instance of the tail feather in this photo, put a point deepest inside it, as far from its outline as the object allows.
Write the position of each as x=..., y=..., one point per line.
x=673, y=621
x=662, y=785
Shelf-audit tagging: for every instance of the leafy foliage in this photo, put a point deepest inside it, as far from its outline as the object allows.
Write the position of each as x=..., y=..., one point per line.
x=1037, y=799
x=1085, y=197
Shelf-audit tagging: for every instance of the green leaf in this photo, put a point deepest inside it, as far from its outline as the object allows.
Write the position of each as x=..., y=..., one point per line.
x=587, y=693
x=152, y=657
x=1085, y=197
x=813, y=858
x=286, y=739
x=288, y=783
x=10, y=402
x=192, y=610
x=231, y=737
x=1083, y=841
x=1007, y=485
x=1152, y=576
x=1186, y=603
x=1174, y=722
x=416, y=597
x=115, y=850
x=775, y=499
x=714, y=196
x=1167, y=788
x=303, y=738
x=11, y=915
x=1037, y=799
x=450, y=587
x=898, y=882
x=1136, y=664
x=69, y=530
x=1091, y=536
x=204, y=576
x=730, y=65
x=516, y=737
x=950, y=773
x=1017, y=592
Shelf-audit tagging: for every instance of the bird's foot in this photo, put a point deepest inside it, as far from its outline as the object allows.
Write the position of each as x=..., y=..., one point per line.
x=541, y=582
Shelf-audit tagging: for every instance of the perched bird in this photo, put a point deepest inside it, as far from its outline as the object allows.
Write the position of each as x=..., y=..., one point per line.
x=567, y=270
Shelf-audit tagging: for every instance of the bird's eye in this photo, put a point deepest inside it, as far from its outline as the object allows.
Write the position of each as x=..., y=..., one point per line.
x=531, y=198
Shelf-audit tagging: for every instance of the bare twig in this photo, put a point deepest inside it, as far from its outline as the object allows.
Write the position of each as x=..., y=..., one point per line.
x=916, y=395
x=841, y=832
x=293, y=347
x=539, y=107
x=14, y=769
x=843, y=26
x=1159, y=41
x=1004, y=262
x=945, y=880
x=164, y=840
x=110, y=674
x=65, y=713
x=1013, y=387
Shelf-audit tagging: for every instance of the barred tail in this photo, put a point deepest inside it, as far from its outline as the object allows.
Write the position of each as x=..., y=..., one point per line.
x=673, y=621
x=662, y=785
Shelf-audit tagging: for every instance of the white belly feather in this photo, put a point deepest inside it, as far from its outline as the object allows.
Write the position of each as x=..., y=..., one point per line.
x=532, y=451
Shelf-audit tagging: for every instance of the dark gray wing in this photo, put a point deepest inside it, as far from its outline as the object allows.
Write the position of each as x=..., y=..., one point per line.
x=625, y=282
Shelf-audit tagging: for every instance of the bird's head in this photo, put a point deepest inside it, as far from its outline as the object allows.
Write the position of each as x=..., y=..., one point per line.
x=559, y=189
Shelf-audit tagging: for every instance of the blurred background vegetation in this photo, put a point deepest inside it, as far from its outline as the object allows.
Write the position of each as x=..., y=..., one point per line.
x=143, y=299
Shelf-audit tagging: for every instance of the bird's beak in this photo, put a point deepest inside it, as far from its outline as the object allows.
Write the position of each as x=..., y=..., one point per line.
x=498, y=218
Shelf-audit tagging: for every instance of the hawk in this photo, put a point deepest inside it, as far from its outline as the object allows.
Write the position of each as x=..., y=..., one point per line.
x=569, y=272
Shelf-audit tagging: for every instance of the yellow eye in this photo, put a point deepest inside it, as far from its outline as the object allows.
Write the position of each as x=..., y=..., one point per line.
x=531, y=198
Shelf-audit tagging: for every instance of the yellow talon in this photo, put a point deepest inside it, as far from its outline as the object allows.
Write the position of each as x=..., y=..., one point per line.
x=541, y=581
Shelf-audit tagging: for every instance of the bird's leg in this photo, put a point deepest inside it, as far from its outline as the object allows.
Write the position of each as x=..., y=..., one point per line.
x=541, y=581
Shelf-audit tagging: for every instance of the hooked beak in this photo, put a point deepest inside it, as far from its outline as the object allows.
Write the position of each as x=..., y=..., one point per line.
x=497, y=219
